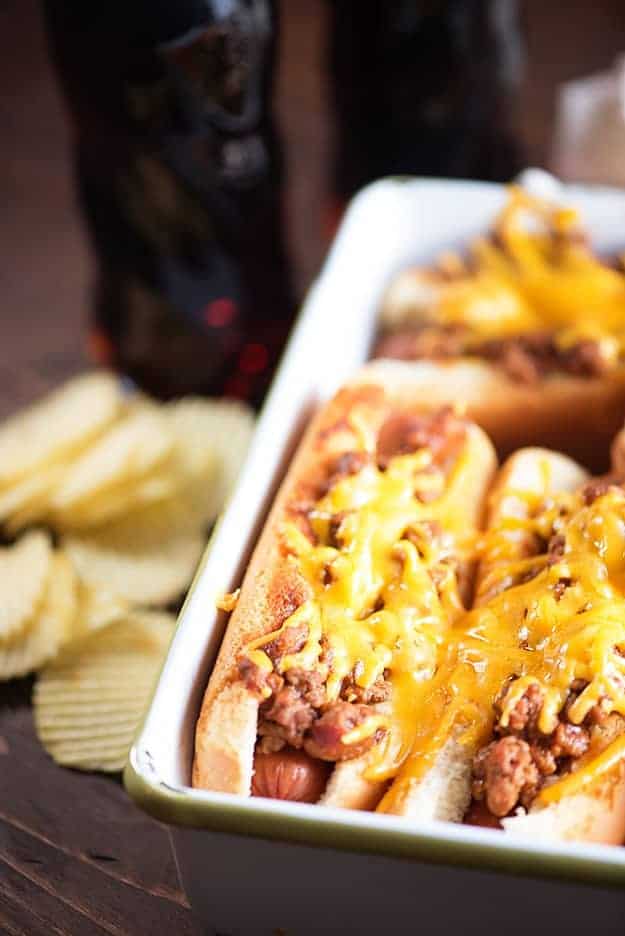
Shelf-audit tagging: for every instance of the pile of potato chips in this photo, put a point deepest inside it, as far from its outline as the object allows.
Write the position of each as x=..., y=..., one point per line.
x=106, y=498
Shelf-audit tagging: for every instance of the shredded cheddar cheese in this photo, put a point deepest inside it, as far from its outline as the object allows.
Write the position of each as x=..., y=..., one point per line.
x=228, y=601
x=536, y=274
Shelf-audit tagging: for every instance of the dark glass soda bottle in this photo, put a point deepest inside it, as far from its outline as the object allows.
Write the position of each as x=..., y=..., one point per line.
x=179, y=172
x=425, y=87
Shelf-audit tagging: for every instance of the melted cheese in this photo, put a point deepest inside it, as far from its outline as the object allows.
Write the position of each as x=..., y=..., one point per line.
x=228, y=601
x=374, y=605
x=538, y=274
x=486, y=303
x=609, y=764
x=534, y=632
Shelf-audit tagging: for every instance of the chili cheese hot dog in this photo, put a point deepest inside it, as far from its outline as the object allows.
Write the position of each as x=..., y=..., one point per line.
x=532, y=692
x=553, y=765
x=435, y=781
x=531, y=323
x=365, y=562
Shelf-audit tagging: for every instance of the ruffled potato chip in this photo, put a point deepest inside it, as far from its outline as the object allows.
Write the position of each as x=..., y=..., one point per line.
x=97, y=608
x=134, y=562
x=222, y=428
x=211, y=439
x=59, y=426
x=27, y=501
x=24, y=571
x=50, y=628
x=105, y=507
x=89, y=701
x=127, y=454
x=105, y=695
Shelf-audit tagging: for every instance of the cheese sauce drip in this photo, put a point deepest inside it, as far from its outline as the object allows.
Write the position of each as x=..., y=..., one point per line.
x=566, y=623
x=375, y=608
x=536, y=274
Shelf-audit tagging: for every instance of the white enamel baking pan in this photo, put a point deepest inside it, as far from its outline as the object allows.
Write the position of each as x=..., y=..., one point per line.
x=261, y=866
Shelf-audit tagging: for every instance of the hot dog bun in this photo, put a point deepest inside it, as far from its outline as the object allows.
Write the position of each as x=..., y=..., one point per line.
x=575, y=415
x=529, y=473
x=348, y=787
x=367, y=413
x=223, y=757
x=597, y=815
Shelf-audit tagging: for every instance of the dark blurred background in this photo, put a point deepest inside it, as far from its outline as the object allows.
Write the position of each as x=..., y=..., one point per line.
x=44, y=256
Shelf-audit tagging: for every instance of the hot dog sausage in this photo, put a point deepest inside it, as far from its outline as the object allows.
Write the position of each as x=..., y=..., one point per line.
x=289, y=775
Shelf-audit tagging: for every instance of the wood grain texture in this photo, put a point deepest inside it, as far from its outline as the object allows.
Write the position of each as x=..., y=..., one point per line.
x=76, y=856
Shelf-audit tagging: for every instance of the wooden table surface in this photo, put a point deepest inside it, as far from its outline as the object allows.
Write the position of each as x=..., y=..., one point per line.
x=76, y=857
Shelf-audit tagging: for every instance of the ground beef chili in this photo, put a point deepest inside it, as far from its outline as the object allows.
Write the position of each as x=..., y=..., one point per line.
x=478, y=815
x=528, y=358
x=510, y=770
x=299, y=512
x=289, y=715
x=555, y=548
x=430, y=344
x=505, y=774
x=337, y=719
x=442, y=432
x=349, y=463
x=295, y=714
x=595, y=488
x=524, y=358
x=291, y=640
x=378, y=691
